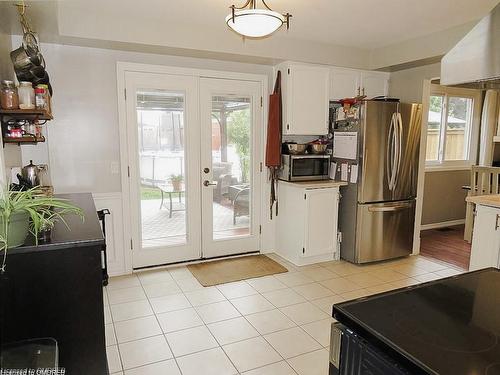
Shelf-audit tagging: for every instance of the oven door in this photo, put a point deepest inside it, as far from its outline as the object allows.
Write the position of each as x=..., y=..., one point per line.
x=352, y=355
x=309, y=167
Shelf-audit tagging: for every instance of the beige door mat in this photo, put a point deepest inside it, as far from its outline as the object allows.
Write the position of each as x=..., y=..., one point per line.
x=234, y=269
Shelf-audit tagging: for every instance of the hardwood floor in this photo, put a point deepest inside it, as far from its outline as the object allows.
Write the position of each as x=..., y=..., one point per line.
x=446, y=244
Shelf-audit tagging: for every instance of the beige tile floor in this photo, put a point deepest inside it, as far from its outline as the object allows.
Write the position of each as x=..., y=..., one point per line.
x=163, y=322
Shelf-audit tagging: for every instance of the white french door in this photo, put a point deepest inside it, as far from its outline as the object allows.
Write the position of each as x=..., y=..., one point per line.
x=194, y=167
x=231, y=121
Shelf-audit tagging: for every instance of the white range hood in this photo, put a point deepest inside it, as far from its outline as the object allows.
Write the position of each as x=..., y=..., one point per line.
x=475, y=60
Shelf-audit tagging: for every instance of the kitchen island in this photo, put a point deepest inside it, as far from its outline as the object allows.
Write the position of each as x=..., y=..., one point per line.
x=54, y=290
x=485, y=249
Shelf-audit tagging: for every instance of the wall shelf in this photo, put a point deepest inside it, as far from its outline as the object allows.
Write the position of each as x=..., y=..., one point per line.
x=27, y=139
x=26, y=114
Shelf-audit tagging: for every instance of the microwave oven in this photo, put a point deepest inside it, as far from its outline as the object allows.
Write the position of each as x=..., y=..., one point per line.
x=305, y=167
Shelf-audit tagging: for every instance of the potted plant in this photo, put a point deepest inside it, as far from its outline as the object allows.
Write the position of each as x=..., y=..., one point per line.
x=176, y=181
x=22, y=212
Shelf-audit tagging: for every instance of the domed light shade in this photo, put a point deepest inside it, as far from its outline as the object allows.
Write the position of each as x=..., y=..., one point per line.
x=255, y=23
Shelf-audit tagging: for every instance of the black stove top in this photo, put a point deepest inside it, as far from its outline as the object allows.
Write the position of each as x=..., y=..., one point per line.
x=449, y=326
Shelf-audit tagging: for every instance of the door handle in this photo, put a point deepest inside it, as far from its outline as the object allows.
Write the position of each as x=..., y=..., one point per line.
x=390, y=208
x=208, y=183
x=496, y=222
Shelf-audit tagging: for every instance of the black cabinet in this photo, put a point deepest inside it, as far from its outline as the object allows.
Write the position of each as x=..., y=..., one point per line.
x=55, y=290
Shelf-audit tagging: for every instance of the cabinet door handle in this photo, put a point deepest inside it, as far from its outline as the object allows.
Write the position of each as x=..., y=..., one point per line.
x=363, y=91
x=496, y=222
x=359, y=91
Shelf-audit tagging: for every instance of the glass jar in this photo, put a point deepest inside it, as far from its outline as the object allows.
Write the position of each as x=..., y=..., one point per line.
x=9, y=98
x=40, y=98
x=26, y=95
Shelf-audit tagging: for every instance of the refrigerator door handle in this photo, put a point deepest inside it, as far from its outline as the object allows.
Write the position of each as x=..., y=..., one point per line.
x=389, y=165
x=399, y=138
x=398, y=207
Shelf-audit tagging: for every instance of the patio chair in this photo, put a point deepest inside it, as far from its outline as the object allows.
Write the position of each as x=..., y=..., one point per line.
x=484, y=181
x=241, y=204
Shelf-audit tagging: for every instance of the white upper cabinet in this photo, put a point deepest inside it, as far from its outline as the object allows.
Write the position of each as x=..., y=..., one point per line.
x=305, y=98
x=348, y=83
x=344, y=83
x=374, y=84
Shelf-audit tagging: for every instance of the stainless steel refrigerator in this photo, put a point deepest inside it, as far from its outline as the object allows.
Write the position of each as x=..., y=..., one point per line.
x=377, y=152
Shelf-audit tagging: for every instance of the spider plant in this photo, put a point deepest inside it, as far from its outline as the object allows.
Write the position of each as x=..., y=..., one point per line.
x=27, y=211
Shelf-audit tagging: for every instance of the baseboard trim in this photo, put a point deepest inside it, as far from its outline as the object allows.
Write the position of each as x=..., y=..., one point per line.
x=442, y=224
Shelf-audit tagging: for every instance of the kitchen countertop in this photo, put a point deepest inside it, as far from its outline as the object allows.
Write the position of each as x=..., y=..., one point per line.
x=492, y=200
x=316, y=184
x=80, y=233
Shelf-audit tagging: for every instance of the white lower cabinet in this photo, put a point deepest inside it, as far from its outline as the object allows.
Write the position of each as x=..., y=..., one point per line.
x=485, y=251
x=307, y=223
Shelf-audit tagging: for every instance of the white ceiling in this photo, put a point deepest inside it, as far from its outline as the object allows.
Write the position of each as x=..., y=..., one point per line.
x=318, y=27
x=363, y=24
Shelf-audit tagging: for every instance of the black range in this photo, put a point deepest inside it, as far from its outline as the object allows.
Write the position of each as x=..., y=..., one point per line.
x=449, y=326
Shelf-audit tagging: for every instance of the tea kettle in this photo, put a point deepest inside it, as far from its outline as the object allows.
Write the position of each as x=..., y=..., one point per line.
x=34, y=174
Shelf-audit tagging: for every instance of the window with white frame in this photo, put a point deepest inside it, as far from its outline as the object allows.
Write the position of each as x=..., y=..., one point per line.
x=452, y=127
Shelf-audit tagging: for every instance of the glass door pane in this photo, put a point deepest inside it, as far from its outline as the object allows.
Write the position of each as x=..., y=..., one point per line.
x=458, y=128
x=231, y=165
x=434, y=127
x=160, y=127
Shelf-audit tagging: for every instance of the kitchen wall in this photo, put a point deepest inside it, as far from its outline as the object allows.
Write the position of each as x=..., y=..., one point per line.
x=11, y=154
x=443, y=198
x=83, y=139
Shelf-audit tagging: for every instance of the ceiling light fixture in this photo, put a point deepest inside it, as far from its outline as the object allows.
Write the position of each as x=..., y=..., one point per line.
x=252, y=22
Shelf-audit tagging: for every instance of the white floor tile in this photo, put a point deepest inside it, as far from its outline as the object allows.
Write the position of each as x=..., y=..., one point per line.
x=294, y=278
x=109, y=333
x=134, y=329
x=107, y=315
x=114, y=362
x=215, y=312
x=205, y=296
x=344, y=268
x=161, y=289
x=356, y=294
x=270, y=321
x=168, y=367
x=325, y=304
x=304, y=313
x=313, y=291
x=292, y=342
x=236, y=290
x=131, y=310
x=169, y=303
x=105, y=299
x=249, y=354
x=319, y=274
x=229, y=331
x=145, y=351
x=252, y=304
x=154, y=276
x=427, y=277
x=179, y=273
x=191, y=340
x=116, y=296
x=449, y=272
x=120, y=282
x=388, y=275
x=208, y=362
x=279, y=368
x=320, y=331
x=283, y=297
x=340, y=285
x=315, y=363
x=266, y=284
x=365, y=279
x=189, y=284
x=180, y=319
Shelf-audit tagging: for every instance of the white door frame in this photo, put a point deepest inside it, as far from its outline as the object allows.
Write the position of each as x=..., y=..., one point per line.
x=121, y=68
